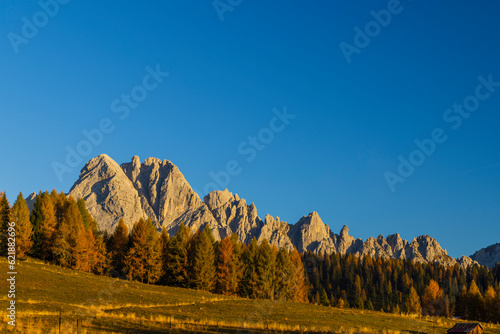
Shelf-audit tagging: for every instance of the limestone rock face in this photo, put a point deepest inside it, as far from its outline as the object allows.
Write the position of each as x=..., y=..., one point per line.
x=398, y=246
x=108, y=193
x=311, y=234
x=422, y=249
x=375, y=247
x=276, y=232
x=30, y=201
x=344, y=243
x=166, y=196
x=234, y=213
x=427, y=249
x=157, y=189
x=488, y=256
x=466, y=262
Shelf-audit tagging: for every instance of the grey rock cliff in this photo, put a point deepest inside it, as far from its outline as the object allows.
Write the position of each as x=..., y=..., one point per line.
x=311, y=234
x=157, y=189
x=234, y=213
x=108, y=193
x=466, y=261
x=488, y=256
x=30, y=201
x=276, y=232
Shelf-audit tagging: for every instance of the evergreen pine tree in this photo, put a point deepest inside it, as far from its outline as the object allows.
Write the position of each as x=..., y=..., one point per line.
x=86, y=217
x=285, y=276
x=135, y=260
x=142, y=261
x=204, y=262
x=118, y=246
x=265, y=269
x=323, y=298
x=154, y=268
x=164, y=246
x=249, y=285
x=24, y=231
x=36, y=219
x=5, y=219
x=177, y=268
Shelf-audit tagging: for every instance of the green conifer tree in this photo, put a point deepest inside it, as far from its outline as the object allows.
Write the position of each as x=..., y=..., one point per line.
x=285, y=276
x=265, y=269
x=204, y=262
x=178, y=260
x=164, y=247
x=118, y=246
x=5, y=219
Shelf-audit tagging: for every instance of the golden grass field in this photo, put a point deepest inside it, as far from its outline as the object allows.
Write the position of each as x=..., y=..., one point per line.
x=49, y=297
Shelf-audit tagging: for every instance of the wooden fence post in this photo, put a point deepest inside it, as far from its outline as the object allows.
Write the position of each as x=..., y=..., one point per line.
x=59, y=320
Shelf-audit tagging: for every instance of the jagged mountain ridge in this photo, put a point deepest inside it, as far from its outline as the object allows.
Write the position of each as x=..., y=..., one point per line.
x=157, y=189
x=488, y=256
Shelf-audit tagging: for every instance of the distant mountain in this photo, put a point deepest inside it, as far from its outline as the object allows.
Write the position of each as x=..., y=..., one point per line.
x=488, y=256
x=157, y=189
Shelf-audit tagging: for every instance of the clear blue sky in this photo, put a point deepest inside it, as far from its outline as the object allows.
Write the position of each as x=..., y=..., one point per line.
x=225, y=78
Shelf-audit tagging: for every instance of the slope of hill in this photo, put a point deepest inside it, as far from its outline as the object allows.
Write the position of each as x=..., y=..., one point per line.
x=97, y=304
x=157, y=189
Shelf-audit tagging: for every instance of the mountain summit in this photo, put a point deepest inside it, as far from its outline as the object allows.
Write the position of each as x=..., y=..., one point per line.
x=157, y=189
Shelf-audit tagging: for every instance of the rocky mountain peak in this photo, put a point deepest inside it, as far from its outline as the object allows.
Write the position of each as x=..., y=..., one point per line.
x=344, y=232
x=466, y=261
x=108, y=192
x=217, y=199
x=233, y=212
x=311, y=234
x=488, y=256
x=276, y=232
x=157, y=189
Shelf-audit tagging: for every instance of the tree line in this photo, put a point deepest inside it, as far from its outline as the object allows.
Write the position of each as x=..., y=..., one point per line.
x=404, y=286
x=59, y=229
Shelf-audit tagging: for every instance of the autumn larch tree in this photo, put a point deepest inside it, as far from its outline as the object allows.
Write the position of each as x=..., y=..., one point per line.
x=24, y=231
x=412, y=303
x=432, y=299
x=43, y=221
x=475, y=301
x=154, y=268
x=228, y=266
x=300, y=287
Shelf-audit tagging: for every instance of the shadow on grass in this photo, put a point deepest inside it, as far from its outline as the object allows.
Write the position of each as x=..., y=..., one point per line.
x=130, y=327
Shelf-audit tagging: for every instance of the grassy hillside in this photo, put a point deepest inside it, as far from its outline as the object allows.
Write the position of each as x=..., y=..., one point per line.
x=94, y=304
